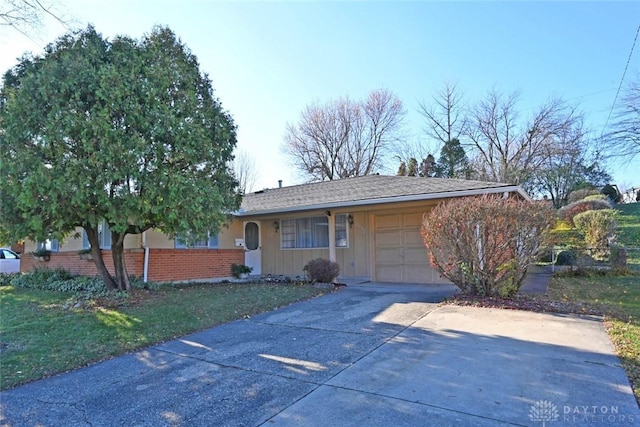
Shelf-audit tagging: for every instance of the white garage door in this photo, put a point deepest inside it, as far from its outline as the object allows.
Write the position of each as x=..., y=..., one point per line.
x=400, y=254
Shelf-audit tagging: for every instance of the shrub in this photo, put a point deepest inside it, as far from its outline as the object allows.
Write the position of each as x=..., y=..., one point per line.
x=6, y=278
x=569, y=212
x=238, y=270
x=598, y=228
x=322, y=270
x=60, y=280
x=597, y=197
x=566, y=257
x=577, y=195
x=485, y=245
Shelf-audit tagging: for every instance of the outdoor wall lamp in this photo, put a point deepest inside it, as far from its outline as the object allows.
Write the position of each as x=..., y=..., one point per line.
x=276, y=226
x=328, y=213
x=350, y=220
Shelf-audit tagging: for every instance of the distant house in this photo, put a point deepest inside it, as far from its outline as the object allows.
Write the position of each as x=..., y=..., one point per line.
x=370, y=225
x=630, y=195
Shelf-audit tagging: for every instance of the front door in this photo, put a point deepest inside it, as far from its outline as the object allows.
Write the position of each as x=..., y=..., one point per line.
x=252, y=246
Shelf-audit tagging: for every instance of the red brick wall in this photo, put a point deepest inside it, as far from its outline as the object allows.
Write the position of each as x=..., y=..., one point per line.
x=186, y=264
x=164, y=264
x=71, y=262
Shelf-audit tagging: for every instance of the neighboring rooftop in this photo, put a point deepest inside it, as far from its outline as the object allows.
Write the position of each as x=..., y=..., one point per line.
x=364, y=190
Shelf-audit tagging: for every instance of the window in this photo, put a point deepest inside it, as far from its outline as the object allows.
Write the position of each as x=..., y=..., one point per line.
x=49, y=245
x=191, y=241
x=104, y=237
x=312, y=232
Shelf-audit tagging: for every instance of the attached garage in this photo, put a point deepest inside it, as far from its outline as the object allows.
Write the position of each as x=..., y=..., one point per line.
x=400, y=254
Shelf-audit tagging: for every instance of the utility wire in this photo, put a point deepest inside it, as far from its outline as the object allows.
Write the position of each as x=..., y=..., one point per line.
x=624, y=73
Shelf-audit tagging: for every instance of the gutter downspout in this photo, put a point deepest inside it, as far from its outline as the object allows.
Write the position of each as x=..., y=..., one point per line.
x=145, y=274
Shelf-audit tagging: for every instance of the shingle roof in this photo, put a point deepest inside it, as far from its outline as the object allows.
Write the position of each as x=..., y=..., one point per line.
x=362, y=191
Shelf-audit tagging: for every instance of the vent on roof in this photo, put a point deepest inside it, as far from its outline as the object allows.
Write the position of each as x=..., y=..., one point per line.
x=260, y=191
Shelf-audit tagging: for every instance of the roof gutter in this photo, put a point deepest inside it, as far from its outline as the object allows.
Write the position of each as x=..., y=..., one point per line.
x=395, y=199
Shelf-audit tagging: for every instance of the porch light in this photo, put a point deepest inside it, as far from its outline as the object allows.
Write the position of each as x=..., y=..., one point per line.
x=350, y=220
x=276, y=226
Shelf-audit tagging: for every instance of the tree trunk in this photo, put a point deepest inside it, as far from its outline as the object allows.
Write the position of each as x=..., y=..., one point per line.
x=117, y=252
x=92, y=236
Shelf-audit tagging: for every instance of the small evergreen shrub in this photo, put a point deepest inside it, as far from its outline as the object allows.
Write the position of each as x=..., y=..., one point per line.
x=238, y=270
x=566, y=257
x=322, y=270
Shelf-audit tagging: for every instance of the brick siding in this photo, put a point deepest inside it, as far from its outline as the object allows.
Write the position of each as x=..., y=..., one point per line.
x=186, y=264
x=164, y=264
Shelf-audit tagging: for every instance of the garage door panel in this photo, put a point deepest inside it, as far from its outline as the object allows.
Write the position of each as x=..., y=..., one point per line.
x=416, y=256
x=388, y=238
x=412, y=238
x=417, y=274
x=388, y=273
x=388, y=221
x=389, y=256
x=412, y=220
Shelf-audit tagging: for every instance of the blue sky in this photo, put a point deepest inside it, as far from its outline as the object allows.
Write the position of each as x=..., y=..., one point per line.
x=268, y=60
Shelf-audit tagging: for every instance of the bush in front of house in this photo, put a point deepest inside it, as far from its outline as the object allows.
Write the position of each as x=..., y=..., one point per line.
x=240, y=270
x=322, y=270
x=598, y=228
x=485, y=245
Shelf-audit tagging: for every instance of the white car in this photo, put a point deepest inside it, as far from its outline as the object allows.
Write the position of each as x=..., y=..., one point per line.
x=9, y=261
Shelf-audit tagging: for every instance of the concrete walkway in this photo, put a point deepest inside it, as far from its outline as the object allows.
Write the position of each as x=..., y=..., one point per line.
x=367, y=355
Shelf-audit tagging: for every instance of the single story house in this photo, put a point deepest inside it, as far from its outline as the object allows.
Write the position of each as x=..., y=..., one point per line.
x=369, y=225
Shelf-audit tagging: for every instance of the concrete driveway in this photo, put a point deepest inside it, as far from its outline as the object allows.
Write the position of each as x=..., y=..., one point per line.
x=368, y=355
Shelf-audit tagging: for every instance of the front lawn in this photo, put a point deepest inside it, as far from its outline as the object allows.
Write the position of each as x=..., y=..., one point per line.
x=618, y=299
x=46, y=332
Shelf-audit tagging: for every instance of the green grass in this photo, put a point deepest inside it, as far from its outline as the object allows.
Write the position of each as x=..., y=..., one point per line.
x=618, y=299
x=42, y=334
x=629, y=224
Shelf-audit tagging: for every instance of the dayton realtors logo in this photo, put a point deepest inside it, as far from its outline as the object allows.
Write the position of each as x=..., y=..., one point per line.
x=543, y=411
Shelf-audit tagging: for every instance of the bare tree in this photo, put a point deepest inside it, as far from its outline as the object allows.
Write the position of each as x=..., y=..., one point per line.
x=510, y=150
x=446, y=117
x=623, y=140
x=344, y=138
x=564, y=167
x=245, y=171
x=27, y=16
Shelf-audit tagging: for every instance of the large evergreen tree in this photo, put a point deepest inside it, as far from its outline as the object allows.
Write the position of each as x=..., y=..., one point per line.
x=453, y=161
x=124, y=131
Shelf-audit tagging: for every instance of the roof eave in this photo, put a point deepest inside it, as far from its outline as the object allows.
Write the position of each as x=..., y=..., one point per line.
x=395, y=199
